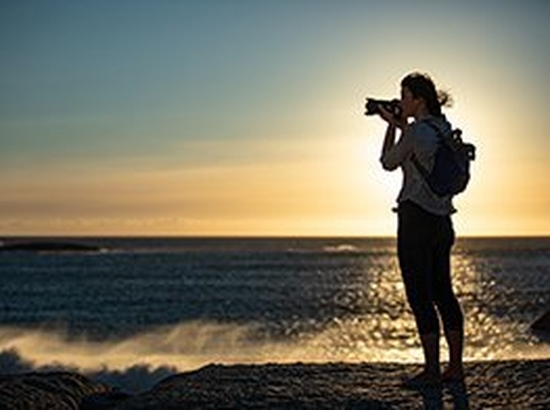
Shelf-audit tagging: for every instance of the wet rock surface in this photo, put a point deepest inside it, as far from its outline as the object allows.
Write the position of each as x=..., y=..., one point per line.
x=53, y=391
x=542, y=324
x=506, y=384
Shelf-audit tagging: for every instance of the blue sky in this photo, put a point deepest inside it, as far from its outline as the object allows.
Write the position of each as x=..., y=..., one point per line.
x=199, y=117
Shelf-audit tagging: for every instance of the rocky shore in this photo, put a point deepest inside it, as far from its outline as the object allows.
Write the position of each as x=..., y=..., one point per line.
x=505, y=384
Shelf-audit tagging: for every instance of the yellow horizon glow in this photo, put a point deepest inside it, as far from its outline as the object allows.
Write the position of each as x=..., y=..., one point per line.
x=337, y=189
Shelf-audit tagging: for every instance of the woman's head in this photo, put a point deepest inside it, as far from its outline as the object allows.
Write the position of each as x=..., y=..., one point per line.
x=418, y=92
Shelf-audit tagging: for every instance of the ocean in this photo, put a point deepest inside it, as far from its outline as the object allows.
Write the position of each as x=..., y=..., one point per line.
x=188, y=302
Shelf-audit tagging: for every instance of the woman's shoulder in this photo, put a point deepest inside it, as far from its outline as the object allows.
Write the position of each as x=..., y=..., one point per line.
x=421, y=132
x=430, y=126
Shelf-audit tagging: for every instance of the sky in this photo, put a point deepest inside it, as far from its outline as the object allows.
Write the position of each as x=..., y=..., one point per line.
x=246, y=117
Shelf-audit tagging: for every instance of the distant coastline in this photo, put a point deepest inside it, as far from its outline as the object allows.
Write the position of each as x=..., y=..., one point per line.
x=48, y=246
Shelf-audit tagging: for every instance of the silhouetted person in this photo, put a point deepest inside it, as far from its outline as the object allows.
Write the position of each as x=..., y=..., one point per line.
x=425, y=231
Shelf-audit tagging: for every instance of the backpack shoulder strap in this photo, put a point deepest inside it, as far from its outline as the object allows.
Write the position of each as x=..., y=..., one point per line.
x=423, y=171
x=437, y=130
x=421, y=168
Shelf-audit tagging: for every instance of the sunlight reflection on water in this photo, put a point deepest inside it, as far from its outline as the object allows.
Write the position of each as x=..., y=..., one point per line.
x=383, y=329
x=492, y=330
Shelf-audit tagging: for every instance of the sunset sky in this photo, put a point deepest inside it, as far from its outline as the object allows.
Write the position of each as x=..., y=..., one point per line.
x=246, y=117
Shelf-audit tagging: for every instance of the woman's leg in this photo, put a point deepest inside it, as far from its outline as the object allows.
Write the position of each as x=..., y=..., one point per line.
x=447, y=303
x=415, y=236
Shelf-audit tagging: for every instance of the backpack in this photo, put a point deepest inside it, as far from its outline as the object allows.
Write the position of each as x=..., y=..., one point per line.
x=450, y=173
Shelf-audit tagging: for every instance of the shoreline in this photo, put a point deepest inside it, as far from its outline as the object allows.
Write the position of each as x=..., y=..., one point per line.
x=496, y=384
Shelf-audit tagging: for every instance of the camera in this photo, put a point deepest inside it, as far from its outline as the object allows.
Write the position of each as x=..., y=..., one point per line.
x=373, y=106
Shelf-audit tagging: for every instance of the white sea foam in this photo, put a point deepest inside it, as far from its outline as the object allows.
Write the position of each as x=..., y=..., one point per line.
x=139, y=361
x=341, y=248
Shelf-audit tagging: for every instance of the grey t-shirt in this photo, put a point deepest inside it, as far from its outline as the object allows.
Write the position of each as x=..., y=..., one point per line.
x=419, y=139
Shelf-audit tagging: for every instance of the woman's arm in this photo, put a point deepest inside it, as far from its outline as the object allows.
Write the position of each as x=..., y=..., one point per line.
x=389, y=143
x=394, y=153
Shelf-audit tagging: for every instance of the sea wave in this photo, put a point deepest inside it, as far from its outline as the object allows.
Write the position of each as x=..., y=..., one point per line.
x=139, y=361
x=341, y=248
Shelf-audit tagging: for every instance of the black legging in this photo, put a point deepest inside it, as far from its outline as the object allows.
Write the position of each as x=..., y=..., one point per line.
x=424, y=243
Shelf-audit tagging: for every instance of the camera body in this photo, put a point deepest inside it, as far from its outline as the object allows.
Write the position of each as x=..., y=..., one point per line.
x=373, y=106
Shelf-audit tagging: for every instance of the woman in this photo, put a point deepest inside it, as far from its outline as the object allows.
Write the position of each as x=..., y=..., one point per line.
x=425, y=232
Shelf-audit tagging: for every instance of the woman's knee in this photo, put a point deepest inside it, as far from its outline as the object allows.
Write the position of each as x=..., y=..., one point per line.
x=426, y=319
x=451, y=313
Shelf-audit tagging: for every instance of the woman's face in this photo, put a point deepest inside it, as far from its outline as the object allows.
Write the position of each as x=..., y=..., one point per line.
x=409, y=104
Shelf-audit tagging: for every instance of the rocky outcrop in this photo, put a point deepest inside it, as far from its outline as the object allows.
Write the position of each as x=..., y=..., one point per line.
x=542, y=324
x=52, y=391
x=322, y=386
x=514, y=384
x=504, y=384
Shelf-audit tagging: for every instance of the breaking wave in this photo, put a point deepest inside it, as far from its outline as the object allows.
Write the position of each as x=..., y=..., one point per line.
x=138, y=362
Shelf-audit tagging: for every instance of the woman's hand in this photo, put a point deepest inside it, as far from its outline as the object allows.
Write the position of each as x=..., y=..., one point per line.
x=391, y=119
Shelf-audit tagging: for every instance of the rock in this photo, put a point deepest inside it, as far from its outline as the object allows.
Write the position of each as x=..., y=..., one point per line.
x=512, y=384
x=259, y=386
x=104, y=401
x=542, y=324
x=52, y=391
x=497, y=384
